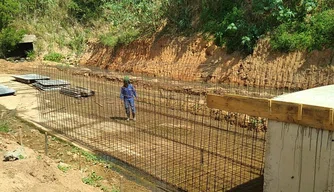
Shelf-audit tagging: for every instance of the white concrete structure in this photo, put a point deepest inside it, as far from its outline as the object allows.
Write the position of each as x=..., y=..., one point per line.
x=298, y=158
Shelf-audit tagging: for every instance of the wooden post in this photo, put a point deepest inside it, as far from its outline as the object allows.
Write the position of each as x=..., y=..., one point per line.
x=21, y=137
x=79, y=158
x=120, y=184
x=46, y=143
x=300, y=112
x=331, y=117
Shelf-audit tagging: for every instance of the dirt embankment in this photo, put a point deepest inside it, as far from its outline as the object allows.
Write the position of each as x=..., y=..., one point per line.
x=193, y=58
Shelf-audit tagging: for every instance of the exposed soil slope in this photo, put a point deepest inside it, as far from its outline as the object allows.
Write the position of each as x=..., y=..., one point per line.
x=193, y=58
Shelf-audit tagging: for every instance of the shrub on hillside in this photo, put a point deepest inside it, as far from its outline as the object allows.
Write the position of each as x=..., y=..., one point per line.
x=292, y=36
x=109, y=40
x=9, y=38
x=84, y=10
x=31, y=55
x=323, y=27
x=56, y=57
x=317, y=33
x=8, y=10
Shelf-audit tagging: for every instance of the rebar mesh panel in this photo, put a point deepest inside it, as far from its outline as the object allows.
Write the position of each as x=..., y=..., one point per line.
x=29, y=78
x=176, y=138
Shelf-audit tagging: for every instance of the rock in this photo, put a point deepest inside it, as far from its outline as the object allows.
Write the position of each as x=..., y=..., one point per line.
x=64, y=165
x=75, y=156
x=58, y=160
x=69, y=153
x=33, y=174
x=105, y=181
x=14, y=155
x=34, y=131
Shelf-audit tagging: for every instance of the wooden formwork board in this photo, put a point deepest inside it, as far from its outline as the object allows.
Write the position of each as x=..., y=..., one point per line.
x=307, y=115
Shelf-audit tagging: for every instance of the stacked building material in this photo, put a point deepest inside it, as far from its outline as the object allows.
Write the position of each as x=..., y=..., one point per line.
x=76, y=92
x=50, y=85
x=29, y=78
x=5, y=91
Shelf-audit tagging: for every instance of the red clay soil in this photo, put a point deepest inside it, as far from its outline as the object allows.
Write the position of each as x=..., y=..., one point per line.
x=193, y=58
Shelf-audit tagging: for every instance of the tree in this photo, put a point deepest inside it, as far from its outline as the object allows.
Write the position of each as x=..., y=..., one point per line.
x=8, y=11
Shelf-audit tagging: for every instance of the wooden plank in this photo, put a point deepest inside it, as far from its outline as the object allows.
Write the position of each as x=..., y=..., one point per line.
x=306, y=115
x=240, y=104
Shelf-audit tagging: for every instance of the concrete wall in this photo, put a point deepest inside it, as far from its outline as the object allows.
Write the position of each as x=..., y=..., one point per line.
x=298, y=159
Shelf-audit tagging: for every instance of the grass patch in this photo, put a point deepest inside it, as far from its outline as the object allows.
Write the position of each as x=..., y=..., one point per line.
x=31, y=55
x=56, y=57
x=64, y=168
x=107, y=189
x=4, y=127
x=92, y=180
x=88, y=156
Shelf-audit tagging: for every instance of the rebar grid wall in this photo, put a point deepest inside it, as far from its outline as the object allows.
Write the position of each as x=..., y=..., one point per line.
x=176, y=138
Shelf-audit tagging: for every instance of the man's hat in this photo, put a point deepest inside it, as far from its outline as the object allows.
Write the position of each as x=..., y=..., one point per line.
x=126, y=79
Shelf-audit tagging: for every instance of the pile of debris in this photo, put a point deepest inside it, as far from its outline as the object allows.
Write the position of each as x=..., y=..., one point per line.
x=76, y=92
x=14, y=155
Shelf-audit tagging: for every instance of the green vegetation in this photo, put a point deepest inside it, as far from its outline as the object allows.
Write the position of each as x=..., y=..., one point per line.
x=87, y=155
x=63, y=168
x=316, y=33
x=293, y=24
x=4, y=127
x=90, y=157
x=31, y=55
x=68, y=24
x=92, y=179
x=106, y=189
x=9, y=36
x=56, y=57
x=21, y=156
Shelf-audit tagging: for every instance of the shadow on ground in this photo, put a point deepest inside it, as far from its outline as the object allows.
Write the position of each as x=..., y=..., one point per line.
x=255, y=185
x=118, y=118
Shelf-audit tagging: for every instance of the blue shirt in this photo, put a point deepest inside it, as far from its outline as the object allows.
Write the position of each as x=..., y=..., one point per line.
x=128, y=92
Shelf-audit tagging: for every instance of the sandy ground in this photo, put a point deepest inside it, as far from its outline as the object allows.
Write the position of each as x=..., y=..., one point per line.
x=25, y=100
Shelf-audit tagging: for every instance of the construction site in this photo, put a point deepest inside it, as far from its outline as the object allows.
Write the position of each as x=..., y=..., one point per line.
x=167, y=95
x=178, y=138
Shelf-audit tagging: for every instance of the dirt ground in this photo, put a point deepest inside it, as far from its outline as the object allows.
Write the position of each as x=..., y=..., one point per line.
x=36, y=172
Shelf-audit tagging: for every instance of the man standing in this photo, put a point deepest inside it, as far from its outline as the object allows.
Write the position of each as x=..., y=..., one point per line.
x=128, y=93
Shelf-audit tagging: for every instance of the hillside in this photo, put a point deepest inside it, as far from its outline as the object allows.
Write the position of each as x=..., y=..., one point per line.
x=218, y=41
